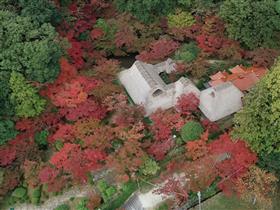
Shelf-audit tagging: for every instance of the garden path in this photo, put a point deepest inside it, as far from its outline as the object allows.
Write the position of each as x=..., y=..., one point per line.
x=55, y=201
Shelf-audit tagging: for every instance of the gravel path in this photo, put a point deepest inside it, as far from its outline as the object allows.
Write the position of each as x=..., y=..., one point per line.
x=53, y=202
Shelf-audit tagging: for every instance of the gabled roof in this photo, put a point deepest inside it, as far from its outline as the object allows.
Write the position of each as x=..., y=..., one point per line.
x=219, y=75
x=239, y=69
x=243, y=78
x=245, y=83
x=259, y=71
x=216, y=82
x=220, y=101
x=138, y=81
x=144, y=85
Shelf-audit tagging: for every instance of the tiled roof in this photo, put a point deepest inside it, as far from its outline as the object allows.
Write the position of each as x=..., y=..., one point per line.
x=259, y=71
x=239, y=69
x=219, y=75
x=247, y=82
x=243, y=78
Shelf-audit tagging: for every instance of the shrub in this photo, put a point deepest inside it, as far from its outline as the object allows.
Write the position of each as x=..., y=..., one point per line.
x=106, y=190
x=191, y=131
x=63, y=207
x=19, y=192
x=126, y=190
x=82, y=205
x=35, y=195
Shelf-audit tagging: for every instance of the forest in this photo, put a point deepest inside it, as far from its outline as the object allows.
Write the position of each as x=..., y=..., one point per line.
x=67, y=122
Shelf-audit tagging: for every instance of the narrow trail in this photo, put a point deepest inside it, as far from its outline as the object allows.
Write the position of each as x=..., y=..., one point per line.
x=53, y=202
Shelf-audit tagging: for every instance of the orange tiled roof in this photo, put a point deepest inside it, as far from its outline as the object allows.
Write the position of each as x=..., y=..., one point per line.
x=260, y=71
x=243, y=78
x=247, y=82
x=232, y=77
x=219, y=75
x=239, y=69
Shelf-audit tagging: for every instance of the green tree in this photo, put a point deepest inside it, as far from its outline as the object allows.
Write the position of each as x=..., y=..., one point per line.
x=7, y=131
x=258, y=122
x=8, y=5
x=200, y=6
x=191, y=131
x=25, y=97
x=187, y=53
x=42, y=11
x=7, y=108
x=28, y=47
x=180, y=19
x=254, y=23
x=41, y=139
x=109, y=31
x=149, y=167
x=147, y=10
x=270, y=162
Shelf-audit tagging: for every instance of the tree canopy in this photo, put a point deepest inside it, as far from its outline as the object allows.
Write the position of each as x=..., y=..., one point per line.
x=146, y=10
x=254, y=23
x=7, y=131
x=28, y=47
x=259, y=121
x=42, y=11
x=7, y=108
x=24, y=97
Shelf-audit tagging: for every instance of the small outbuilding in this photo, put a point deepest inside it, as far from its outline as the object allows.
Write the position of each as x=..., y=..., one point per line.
x=220, y=101
x=145, y=86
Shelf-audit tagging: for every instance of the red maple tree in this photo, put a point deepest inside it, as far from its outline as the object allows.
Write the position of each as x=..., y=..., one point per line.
x=72, y=159
x=124, y=114
x=197, y=149
x=89, y=108
x=187, y=104
x=164, y=122
x=125, y=37
x=7, y=156
x=65, y=133
x=160, y=148
x=158, y=50
x=234, y=159
x=173, y=187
